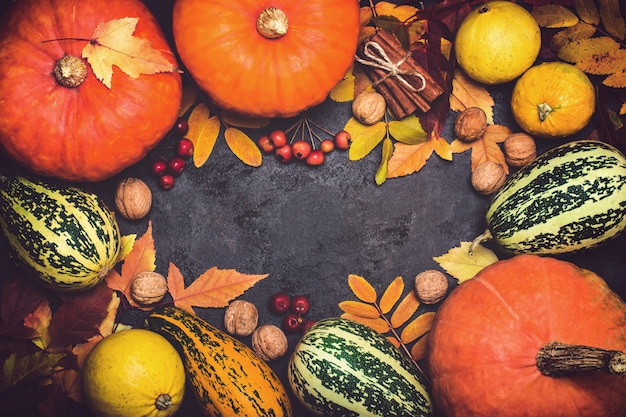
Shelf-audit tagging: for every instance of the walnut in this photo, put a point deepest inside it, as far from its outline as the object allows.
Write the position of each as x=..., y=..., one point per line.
x=369, y=107
x=241, y=318
x=148, y=287
x=488, y=177
x=470, y=125
x=133, y=198
x=431, y=286
x=519, y=149
x=269, y=342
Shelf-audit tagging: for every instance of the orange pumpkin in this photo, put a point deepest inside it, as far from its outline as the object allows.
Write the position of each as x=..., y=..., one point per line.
x=266, y=58
x=83, y=132
x=491, y=350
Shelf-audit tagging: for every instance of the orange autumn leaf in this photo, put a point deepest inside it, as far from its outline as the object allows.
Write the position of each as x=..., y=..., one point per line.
x=363, y=290
x=243, y=147
x=418, y=351
x=554, y=16
x=393, y=340
x=359, y=309
x=39, y=318
x=214, y=288
x=391, y=295
x=405, y=310
x=485, y=148
x=417, y=327
x=468, y=93
x=113, y=44
x=407, y=159
x=377, y=324
x=204, y=130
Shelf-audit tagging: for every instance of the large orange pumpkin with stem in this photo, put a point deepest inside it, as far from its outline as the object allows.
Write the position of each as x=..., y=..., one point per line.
x=266, y=58
x=56, y=117
x=530, y=336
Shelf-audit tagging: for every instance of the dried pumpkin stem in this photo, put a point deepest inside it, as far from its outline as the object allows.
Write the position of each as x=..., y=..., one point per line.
x=163, y=401
x=70, y=71
x=543, y=110
x=558, y=359
x=484, y=237
x=272, y=23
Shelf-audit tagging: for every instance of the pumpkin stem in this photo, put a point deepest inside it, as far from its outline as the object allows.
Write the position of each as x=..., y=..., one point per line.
x=558, y=359
x=163, y=401
x=543, y=110
x=70, y=71
x=485, y=236
x=272, y=23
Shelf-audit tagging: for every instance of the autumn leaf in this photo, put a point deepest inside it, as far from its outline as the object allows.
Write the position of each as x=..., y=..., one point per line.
x=461, y=265
x=204, y=130
x=408, y=159
x=243, y=147
x=344, y=90
x=19, y=298
x=485, y=148
x=18, y=370
x=612, y=18
x=364, y=138
x=214, y=288
x=360, y=309
x=408, y=130
x=405, y=310
x=604, y=63
x=417, y=328
x=378, y=324
x=190, y=97
x=391, y=295
x=468, y=93
x=419, y=349
x=363, y=290
x=617, y=80
x=587, y=11
x=383, y=167
x=403, y=12
x=231, y=118
x=39, y=320
x=113, y=44
x=579, y=49
x=554, y=16
x=577, y=32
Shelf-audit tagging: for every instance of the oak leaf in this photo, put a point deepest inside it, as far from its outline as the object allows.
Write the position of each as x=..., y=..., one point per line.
x=468, y=93
x=461, y=265
x=363, y=290
x=204, y=130
x=554, y=16
x=243, y=147
x=485, y=148
x=113, y=44
x=213, y=288
x=391, y=295
x=417, y=328
x=587, y=11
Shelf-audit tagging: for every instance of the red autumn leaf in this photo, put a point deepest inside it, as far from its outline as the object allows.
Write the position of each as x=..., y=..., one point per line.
x=18, y=299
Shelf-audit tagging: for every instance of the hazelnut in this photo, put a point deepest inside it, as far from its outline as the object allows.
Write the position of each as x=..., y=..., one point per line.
x=241, y=318
x=369, y=107
x=471, y=124
x=133, y=198
x=488, y=177
x=519, y=149
x=148, y=287
x=269, y=342
x=431, y=286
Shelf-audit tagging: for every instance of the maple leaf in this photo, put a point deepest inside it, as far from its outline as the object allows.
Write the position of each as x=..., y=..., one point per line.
x=468, y=93
x=113, y=44
x=18, y=298
x=214, y=288
x=486, y=148
x=461, y=265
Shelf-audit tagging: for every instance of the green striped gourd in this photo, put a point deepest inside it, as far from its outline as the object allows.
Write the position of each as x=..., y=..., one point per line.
x=226, y=376
x=62, y=235
x=572, y=197
x=343, y=368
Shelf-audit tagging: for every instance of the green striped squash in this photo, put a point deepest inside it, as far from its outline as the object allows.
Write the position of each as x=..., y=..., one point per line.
x=226, y=376
x=343, y=368
x=572, y=197
x=62, y=235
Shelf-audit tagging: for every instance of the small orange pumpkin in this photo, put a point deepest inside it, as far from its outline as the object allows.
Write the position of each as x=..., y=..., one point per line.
x=530, y=336
x=266, y=58
x=78, y=131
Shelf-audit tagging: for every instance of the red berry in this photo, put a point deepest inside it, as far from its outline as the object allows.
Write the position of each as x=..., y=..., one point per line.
x=316, y=157
x=176, y=166
x=166, y=182
x=342, y=140
x=265, y=143
x=301, y=149
x=300, y=304
x=279, y=303
x=284, y=154
x=292, y=323
x=327, y=146
x=306, y=325
x=278, y=138
x=159, y=168
x=184, y=149
x=181, y=127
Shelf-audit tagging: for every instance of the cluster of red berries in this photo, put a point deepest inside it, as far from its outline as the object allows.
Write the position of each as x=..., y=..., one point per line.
x=294, y=308
x=168, y=169
x=276, y=142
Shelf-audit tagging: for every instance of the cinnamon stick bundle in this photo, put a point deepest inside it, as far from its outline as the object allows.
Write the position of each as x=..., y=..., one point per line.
x=404, y=84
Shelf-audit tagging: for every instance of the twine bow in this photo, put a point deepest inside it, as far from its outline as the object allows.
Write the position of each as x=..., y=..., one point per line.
x=382, y=61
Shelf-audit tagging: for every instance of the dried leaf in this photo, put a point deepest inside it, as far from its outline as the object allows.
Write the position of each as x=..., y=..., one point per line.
x=359, y=309
x=378, y=324
x=617, y=80
x=408, y=130
x=417, y=327
x=235, y=119
x=487, y=147
x=18, y=370
x=19, y=298
x=113, y=43
x=402, y=13
x=612, y=18
x=39, y=320
x=362, y=289
x=190, y=97
x=419, y=349
x=405, y=310
x=214, y=288
x=468, y=93
x=204, y=130
x=461, y=265
x=407, y=159
x=383, y=167
x=442, y=148
x=393, y=340
x=579, y=49
x=391, y=295
x=554, y=16
x=364, y=138
x=344, y=90
x=587, y=11
x=577, y=32
x=243, y=147
x=604, y=64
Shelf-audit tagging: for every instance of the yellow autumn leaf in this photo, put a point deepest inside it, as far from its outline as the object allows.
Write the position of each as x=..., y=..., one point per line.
x=616, y=80
x=419, y=349
x=364, y=138
x=344, y=90
x=468, y=93
x=577, y=32
x=203, y=132
x=243, y=147
x=461, y=265
x=190, y=96
x=113, y=44
x=407, y=159
x=442, y=148
x=417, y=328
x=605, y=63
x=128, y=241
x=579, y=49
x=405, y=310
x=359, y=309
x=587, y=11
x=622, y=109
x=378, y=324
x=391, y=295
x=554, y=16
x=408, y=130
x=612, y=18
x=362, y=289
x=382, y=171
x=239, y=120
x=365, y=15
x=402, y=13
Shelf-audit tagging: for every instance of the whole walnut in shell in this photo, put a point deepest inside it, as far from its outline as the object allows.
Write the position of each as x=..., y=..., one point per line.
x=148, y=288
x=369, y=107
x=488, y=177
x=133, y=198
x=519, y=149
x=269, y=342
x=241, y=318
x=471, y=124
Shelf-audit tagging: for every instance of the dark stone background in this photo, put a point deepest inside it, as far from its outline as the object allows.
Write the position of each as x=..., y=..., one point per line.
x=309, y=227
